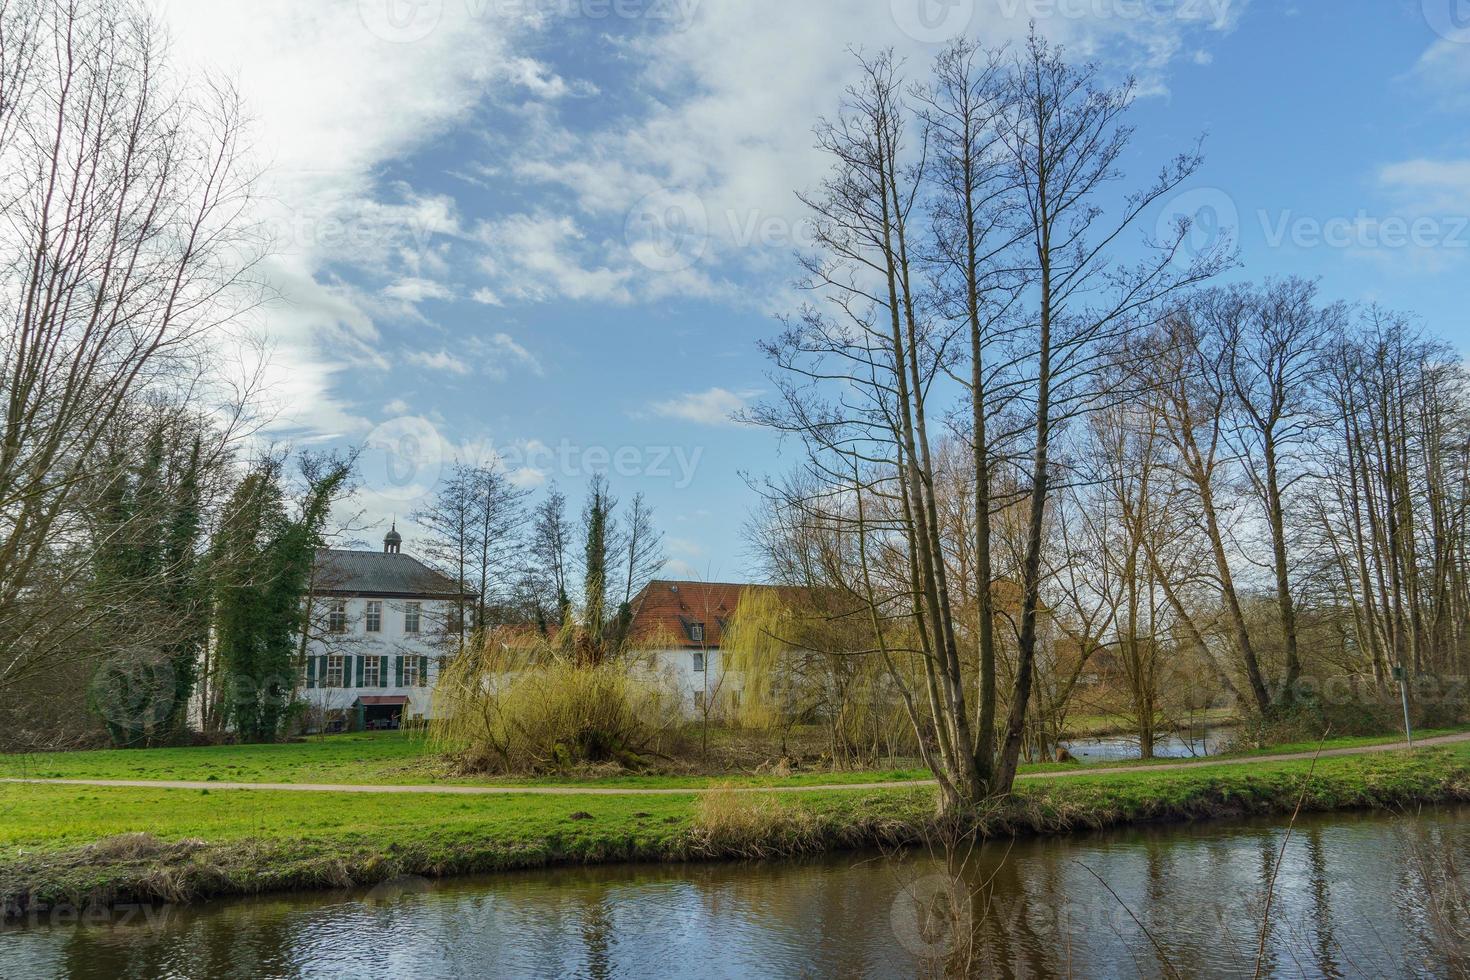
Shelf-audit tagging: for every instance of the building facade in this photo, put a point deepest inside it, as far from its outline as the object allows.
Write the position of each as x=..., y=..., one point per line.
x=379, y=625
x=678, y=628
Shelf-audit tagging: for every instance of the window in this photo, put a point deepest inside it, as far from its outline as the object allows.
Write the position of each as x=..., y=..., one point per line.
x=696, y=632
x=372, y=671
x=336, y=670
x=410, y=671
x=699, y=700
x=698, y=660
x=375, y=617
x=411, y=613
x=337, y=616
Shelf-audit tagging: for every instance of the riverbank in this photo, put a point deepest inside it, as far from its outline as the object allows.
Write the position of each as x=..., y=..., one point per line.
x=77, y=846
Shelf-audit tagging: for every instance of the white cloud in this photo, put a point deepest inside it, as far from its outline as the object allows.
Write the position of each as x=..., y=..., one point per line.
x=493, y=356
x=733, y=97
x=396, y=407
x=503, y=344
x=416, y=290
x=717, y=406
x=540, y=257
x=331, y=102
x=438, y=360
x=487, y=297
x=1443, y=71
x=542, y=81
x=1435, y=185
x=678, y=568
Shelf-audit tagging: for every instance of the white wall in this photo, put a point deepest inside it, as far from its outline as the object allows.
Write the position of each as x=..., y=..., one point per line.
x=391, y=642
x=678, y=667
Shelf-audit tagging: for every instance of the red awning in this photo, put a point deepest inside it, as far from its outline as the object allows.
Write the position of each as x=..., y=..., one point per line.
x=369, y=699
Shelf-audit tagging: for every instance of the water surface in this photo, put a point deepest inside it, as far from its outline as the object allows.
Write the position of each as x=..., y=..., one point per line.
x=1356, y=895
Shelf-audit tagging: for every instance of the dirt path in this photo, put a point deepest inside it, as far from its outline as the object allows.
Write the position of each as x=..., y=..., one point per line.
x=669, y=791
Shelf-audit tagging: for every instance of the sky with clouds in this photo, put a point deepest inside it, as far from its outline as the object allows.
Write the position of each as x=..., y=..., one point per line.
x=552, y=232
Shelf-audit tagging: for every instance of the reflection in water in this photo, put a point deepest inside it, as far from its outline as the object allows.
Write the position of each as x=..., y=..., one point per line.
x=1356, y=895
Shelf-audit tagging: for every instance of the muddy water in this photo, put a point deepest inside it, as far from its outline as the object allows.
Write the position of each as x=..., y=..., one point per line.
x=1354, y=895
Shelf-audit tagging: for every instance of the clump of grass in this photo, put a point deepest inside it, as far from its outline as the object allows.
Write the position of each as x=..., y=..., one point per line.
x=731, y=823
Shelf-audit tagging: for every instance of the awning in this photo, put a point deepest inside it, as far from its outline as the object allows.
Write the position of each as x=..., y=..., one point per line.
x=372, y=699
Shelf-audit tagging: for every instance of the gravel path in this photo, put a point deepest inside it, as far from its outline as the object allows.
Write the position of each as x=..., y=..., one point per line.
x=664, y=791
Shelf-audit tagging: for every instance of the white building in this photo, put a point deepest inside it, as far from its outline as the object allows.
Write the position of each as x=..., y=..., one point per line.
x=377, y=627
x=679, y=627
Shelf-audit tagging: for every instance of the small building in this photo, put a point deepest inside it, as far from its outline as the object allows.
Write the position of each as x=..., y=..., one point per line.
x=378, y=626
x=679, y=626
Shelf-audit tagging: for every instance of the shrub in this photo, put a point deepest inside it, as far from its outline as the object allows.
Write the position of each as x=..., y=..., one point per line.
x=502, y=707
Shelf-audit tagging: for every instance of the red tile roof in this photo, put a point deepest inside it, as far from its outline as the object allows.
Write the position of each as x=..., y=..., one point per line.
x=667, y=611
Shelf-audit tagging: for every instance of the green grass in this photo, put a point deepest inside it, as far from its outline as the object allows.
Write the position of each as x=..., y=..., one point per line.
x=385, y=758
x=79, y=844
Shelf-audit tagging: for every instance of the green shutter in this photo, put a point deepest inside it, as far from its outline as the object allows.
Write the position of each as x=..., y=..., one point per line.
x=398, y=671
x=423, y=672
x=383, y=672
x=360, y=660
x=310, y=672
x=321, y=670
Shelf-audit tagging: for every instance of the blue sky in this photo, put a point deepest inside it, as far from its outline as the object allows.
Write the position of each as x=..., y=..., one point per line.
x=552, y=231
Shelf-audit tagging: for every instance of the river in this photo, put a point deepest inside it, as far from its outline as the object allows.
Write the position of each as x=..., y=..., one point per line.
x=1356, y=895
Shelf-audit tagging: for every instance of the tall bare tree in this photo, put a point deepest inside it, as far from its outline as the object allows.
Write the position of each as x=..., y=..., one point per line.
x=124, y=247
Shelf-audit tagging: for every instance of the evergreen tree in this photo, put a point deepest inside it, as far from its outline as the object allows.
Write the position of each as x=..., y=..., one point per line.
x=597, y=518
x=264, y=560
x=253, y=516
x=185, y=591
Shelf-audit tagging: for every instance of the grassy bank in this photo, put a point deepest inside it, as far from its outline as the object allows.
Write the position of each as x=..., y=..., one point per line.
x=388, y=758
x=82, y=845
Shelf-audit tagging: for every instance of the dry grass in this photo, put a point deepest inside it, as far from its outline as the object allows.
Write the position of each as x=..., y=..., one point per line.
x=750, y=825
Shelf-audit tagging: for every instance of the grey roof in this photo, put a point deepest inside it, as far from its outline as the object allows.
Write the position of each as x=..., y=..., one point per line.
x=377, y=573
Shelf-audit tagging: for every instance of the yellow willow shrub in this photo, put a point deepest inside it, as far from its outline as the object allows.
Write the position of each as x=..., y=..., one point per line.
x=522, y=705
x=805, y=658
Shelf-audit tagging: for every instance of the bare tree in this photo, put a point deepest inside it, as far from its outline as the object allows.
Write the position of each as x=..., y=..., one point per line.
x=643, y=548
x=124, y=249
